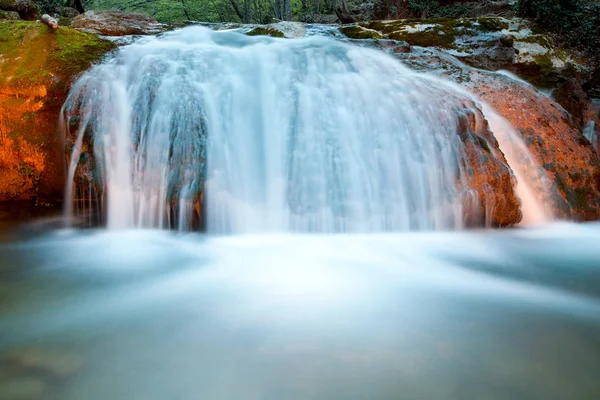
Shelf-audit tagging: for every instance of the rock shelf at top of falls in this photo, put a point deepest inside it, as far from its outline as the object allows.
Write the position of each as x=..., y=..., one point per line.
x=297, y=135
x=556, y=145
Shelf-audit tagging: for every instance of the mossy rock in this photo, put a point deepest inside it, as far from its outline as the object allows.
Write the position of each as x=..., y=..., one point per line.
x=9, y=15
x=358, y=32
x=269, y=31
x=38, y=66
x=436, y=32
x=491, y=24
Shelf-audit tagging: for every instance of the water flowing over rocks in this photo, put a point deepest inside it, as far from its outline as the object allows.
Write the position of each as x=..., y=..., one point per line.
x=551, y=134
x=485, y=190
x=423, y=159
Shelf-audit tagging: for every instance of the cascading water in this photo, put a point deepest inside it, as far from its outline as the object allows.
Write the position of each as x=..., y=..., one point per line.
x=269, y=135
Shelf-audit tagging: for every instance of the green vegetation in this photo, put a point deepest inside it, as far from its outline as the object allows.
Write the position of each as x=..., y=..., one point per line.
x=358, y=32
x=488, y=24
x=442, y=33
x=244, y=11
x=433, y=9
x=576, y=23
x=64, y=52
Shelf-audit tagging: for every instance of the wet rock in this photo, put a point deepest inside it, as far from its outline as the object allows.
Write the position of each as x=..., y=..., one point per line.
x=494, y=201
x=116, y=23
x=36, y=70
x=265, y=31
x=572, y=97
x=550, y=133
x=395, y=46
x=554, y=140
x=27, y=9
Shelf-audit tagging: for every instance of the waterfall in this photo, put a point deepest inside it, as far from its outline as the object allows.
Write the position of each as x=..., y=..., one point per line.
x=267, y=135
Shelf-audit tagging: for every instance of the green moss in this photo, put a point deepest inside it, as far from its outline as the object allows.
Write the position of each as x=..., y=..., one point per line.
x=490, y=24
x=442, y=34
x=260, y=31
x=358, y=32
x=64, y=21
x=75, y=51
x=542, y=40
x=432, y=37
x=36, y=54
x=544, y=62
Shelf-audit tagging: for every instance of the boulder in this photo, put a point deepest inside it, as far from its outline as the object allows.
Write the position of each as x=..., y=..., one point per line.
x=487, y=173
x=391, y=9
x=68, y=12
x=555, y=141
x=348, y=13
x=9, y=15
x=575, y=100
x=552, y=136
x=27, y=9
x=116, y=23
x=37, y=67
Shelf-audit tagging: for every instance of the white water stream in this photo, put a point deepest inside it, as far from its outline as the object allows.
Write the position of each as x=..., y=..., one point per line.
x=277, y=135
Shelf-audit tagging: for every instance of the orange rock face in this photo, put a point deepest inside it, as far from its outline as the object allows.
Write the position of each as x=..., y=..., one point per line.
x=553, y=138
x=37, y=66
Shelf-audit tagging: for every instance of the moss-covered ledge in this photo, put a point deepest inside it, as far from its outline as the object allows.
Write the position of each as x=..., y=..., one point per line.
x=490, y=43
x=37, y=67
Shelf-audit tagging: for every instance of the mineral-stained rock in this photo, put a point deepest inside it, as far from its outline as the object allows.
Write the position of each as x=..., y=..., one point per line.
x=487, y=173
x=37, y=66
x=554, y=140
x=552, y=136
x=116, y=23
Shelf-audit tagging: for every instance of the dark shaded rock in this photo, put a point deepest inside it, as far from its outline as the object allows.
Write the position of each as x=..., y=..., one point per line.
x=391, y=9
x=116, y=23
x=9, y=15
x=571, y=96
x=27, y=9
x=69, y=12
x=575, y=100
x=349, y=14
x=593, y=84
